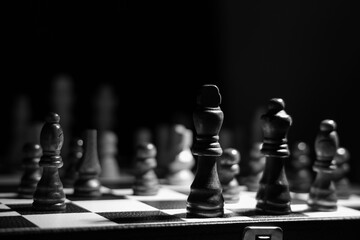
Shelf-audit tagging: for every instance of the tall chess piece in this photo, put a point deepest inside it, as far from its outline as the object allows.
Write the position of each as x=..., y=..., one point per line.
x=205, y=198
x=342, y=182
x=49, y=194
x=146, y=181
x=228, y=169
x=32, y=172
x=88, y=184
x=273, y=195
x=322, y=196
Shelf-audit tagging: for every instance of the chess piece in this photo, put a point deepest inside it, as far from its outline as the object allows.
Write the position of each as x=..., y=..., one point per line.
x=88, y=183
x=74, y=157
x=228, y=169
x=146, y=181
x=205, y=198
x=299, y=172
x=322, y=195
x=32, y=172
x=342, y=183
x=180, y=168
x=256, y=165
x=108, y=156
x=49, y=194
x=273, y=195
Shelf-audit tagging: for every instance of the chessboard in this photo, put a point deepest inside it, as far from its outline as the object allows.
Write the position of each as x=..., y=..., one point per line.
x=119, y=213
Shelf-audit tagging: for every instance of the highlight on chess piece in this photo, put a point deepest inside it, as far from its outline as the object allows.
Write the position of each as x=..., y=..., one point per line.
x=49, y=194
x=273, y=195
x=322, y=195
x=205, y=198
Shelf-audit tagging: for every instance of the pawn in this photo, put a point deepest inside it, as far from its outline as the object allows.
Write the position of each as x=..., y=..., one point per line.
x=32, y=172
x=88, y=184
x=49, y=194
x=322, y=195
x=342, y=183
x=74, y=157
x=228, y=169
x=256, y=165
x=180, y=169
x=146, y=181
x=299, y=170
x=108, y=156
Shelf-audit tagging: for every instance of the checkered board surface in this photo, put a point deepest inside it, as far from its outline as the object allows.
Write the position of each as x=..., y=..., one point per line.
x=120, y=208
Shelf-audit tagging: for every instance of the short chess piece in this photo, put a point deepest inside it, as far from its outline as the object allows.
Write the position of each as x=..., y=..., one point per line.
x=146, y=181
x=32, y=153
x=273, y=195
x=299, y=171
x=88, y=184
x=74, y=157
x=255, y=168
x=341, y=180
x=49, y=194
x=228, y=170
x=180, y=168
x=322, y=195
x=205, y=199
x=108, y=156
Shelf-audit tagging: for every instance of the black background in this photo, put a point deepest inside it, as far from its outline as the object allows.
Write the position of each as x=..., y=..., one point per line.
x=157, y=55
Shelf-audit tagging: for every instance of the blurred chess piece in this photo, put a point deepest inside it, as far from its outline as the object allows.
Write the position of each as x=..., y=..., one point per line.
x=228, y=169
x=110, y=170
x=88, y=184
x=105, y=108
x=322, y=195
x=20, y=120
x=256, y=165
x=180, y=168
x=342, y=183
x=74, y=157
x=32, y=153
x=146, y=181
x=162, y=139
x=299, y=172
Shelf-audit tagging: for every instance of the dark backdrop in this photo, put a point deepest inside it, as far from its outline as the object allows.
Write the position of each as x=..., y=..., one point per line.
x=156, y=55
